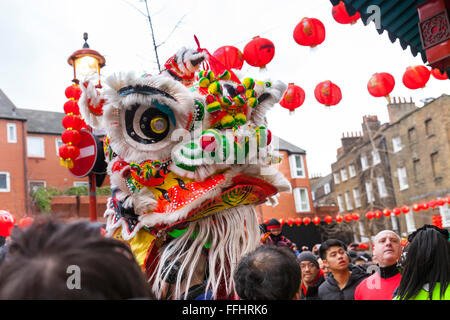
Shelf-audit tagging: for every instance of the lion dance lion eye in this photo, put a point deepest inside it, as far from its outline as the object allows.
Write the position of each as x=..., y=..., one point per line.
x=158, y=124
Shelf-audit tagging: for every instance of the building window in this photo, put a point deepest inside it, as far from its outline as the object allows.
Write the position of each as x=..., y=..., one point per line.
x=344, y=175
x=382, y=187
x=412, y=135
x=375, y=157
x=297, y=168
x=301, y=200
x=35, y=147
x=340, y=203
x=416, y=169
x=348, y=201
x=59, y=143
x=410, y=224
x=362, y=233
x=402, y=178
x=34, y=185
x=11, y=132
x=364, y=163
x=81, y=184
x=397, y=144
x=326, y=188
x=357, y=198
x=336, y=178
x=351, y=169
x=369, y=191
x=4, y=182
x=445, y=214
x=435, y=165
x=429, y=127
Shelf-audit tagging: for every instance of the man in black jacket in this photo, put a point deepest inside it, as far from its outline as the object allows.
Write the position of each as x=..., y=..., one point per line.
x=343, y=278
x=312, y=276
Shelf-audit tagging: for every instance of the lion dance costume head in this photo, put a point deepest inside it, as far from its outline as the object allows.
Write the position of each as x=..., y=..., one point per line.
x=189, y=156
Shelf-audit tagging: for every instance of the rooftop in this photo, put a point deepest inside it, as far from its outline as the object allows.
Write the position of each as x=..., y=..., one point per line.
x=7, y=109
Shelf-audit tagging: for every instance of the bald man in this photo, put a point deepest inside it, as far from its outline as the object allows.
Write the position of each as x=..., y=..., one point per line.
x=382, y=284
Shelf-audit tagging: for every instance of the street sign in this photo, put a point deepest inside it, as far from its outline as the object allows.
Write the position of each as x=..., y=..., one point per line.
x=85, y=162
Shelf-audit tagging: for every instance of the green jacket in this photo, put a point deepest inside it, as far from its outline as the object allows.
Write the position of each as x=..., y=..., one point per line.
x=424, y=293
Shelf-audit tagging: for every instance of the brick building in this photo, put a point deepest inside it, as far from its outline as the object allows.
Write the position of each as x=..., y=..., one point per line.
x=29, y=142
x=398, y=163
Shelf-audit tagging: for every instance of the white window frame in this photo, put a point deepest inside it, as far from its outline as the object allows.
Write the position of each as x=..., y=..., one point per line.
x=57, y=140
x=382, y=191
x=301, y=206
x=39, y=181
x=397, y=144
x=348, y=200
x=444, y=211
x=336, y=177
x=81, y=183
x=8, y=182
x=401, y=175
x=410, y=224
x=357, y=197
x=295, y=168
x=352, y=170
x=369, y=192
x=340, y=203
x=362, y=232
x=326, y=188
x=365, y=163
x=375, y=157
x=11, y=139
x=28, y=146
x=313, y=195
x=344, y=175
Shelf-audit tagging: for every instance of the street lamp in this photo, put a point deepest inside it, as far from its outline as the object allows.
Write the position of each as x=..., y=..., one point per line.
x=87, y=63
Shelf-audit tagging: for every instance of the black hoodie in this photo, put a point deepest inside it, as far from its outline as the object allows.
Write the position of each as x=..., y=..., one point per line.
x=329, y=290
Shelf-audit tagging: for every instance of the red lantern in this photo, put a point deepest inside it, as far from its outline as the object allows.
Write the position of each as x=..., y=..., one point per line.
x=298, y=221
x=293, y=97
x=416, y=77
x=386, y=212
x=381, y=85
x=447, y=199
x=369, y=215
x=424, y=206
x=69, y=152
x=282, y=222
x=25, y=222
x=328, y=219
x=377, y=214
x=355, y=216
x=306, y=221
x=231, y=57
x=341, y=15
x=338, y=218
x=397, y=211
x=316, y=220
x=72, y=122
x=290, y=222
x=416, y=207
x=259, y=52
x=405, y=209
x=71, y=137
x=432, y=203
x=7, y=222
x=438, y=75
x=73, y=92
x=309, y=32
x=348, y=217
x=328, y=93
x=440, y=202
x=71, y=107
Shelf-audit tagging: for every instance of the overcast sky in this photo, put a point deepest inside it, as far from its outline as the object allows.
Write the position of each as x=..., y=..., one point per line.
x=37, y=37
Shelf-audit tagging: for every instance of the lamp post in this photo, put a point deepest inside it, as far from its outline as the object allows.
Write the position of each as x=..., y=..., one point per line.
x=86, y=63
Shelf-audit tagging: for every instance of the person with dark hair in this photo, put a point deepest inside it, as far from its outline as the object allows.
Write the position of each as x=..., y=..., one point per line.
x=56, y=260
x=312, y=275
x=275, y=237
x=426, y=271
x=268, y=273
x=343, y=278
x=381, y=285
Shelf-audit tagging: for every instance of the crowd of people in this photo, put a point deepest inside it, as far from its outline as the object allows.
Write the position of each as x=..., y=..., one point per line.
x=35, y=264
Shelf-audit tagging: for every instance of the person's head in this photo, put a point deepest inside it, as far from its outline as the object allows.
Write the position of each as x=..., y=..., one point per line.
x=352, y=246
x=274, y=227
x=268, y=273
x=360, y=260
x=333, y=254
x=427, y=261
x=309, y=266
x=387, y=248
x=56, y=260
x=315, y=249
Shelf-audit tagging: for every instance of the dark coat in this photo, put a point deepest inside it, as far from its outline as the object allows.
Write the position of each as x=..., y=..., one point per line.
x=329, y=290
x=313, y=291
